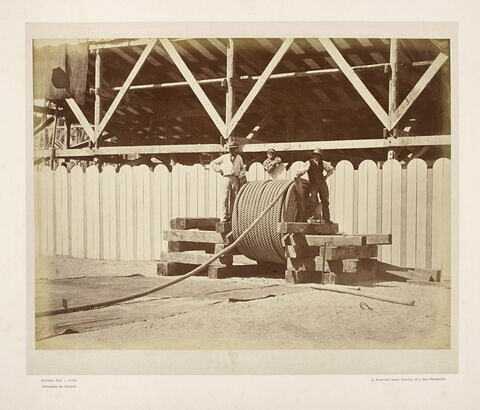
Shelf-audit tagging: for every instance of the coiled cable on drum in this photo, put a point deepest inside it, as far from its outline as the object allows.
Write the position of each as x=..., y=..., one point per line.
x=263, y=243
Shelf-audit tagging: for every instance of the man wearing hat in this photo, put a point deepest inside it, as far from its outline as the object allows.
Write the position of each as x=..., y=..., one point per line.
x=271, y=163
x=318, y=171
x=232, y=168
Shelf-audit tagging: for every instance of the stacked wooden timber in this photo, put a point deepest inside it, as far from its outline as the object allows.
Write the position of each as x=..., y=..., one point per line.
x=193, y=241
x=318, y=253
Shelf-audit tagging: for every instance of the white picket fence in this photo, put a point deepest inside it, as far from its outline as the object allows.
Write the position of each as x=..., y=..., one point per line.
x=110, y=215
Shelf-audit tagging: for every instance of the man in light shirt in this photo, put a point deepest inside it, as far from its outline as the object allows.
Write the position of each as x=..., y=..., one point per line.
x=271, y=164
x=318, y=171
x=231, y=167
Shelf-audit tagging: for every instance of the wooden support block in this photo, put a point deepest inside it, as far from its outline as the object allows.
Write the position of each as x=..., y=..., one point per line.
x=174, y=269
x=381, y=239
x=223, y=227
x=307, y=228
x=358, y=265
x=298, y=239
x=329, y=278
x=444, y=284
x=193, y=257
x=183, y=223
x=349, y=252
x=298, y=276
x=417, y=274
x=301, y=252
x=306, y=264
x=190, y=246
x=351, y=278
x=221, y=271
x=193, y=236
x=433, y=275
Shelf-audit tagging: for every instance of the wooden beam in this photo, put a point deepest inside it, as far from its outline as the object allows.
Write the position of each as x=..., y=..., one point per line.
x=320, y=240
x=126, y=85
x=230, y=95
x=418, y=88
x=259, y=85
x=433, y=140
x=356, y=82
x=81, y=118
x=256, y=131
x=183, y=223
x=43, y=125
x=198, y=91
x=393, y=83
x=98, y=99
x=277, y=76
x=193, y=236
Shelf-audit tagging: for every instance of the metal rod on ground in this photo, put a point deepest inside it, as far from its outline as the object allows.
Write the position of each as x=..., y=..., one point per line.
x=172, y=282
x=365, y=295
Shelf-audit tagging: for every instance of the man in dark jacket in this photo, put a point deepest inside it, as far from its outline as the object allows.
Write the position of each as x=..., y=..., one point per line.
x=318, y=171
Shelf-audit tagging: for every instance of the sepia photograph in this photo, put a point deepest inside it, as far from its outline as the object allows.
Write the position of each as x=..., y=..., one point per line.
x=242, y=193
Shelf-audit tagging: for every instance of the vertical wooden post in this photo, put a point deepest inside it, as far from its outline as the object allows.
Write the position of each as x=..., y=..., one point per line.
x=98, y=100
x=393, y=84
x=290, y=119
x=68, y=137
x=230, y=96
x=393, y=89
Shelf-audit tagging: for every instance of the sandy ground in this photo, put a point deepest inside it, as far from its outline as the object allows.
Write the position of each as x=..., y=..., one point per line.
x=251, y=313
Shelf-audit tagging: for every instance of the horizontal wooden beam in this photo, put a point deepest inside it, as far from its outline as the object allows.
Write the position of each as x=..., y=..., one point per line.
x=279, y=146
x=190, y=235
x=124, y=43
x=320, y=240
x=278, y=76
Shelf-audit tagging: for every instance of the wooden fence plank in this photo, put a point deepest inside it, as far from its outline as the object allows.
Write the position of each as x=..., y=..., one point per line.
x=42, y=195
x=92, y=212
x=391, y=187
x=421, y=228
x=37, y=196
x=77, y=214
x=411, y=237
x=295, y=167
x=396, y=213
x=61, y=211
x=446, y=254
x=367, y=197
x=50, y=222
x=141, y=176
x=109, y=210
x=344, y=196
x=126, y=227
x=441, y=217
x=161, y=211
x=429, y=217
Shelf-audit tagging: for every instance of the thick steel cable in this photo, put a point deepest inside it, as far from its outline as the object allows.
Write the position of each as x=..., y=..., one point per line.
x=198, y=269
x=263, y=243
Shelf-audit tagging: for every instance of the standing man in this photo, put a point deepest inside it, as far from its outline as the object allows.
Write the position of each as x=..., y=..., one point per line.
x=231, y=167
x=318, y=171
x=271, y=163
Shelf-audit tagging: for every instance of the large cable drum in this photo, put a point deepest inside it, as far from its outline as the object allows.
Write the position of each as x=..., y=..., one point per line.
x=263, y=243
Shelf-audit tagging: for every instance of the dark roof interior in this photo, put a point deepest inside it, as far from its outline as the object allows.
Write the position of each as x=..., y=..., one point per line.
x=323, y=107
